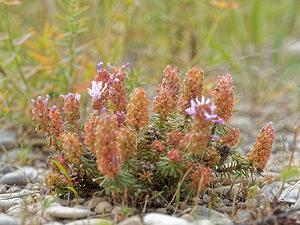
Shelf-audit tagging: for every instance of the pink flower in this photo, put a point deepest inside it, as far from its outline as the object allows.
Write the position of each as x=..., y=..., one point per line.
x=195, y=105
x=71, y=107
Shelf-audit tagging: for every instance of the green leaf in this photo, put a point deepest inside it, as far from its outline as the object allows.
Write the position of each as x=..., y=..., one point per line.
x=67, y=176
x=74, y=191
x=9, y=59
x=22, y=39
x=64, y=171
x=288, y=173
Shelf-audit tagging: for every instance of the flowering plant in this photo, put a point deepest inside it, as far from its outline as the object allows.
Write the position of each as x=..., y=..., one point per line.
x=121, y=150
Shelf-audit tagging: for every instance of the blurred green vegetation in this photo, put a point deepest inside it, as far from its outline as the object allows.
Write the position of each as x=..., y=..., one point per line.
x=52, y=47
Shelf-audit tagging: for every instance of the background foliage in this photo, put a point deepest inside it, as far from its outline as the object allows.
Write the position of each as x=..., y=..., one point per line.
x=51, y=47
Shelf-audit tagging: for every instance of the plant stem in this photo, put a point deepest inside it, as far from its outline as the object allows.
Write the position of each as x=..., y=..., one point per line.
x=12, y=47
x=71, y=43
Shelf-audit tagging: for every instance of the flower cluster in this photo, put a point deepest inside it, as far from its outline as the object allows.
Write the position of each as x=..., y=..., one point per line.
x=40, y=113
x=138, y=114
x=112, y=88
x=71, y=107
x=192, y=88
x=168, y=91
x=56, y=129
x=204, y=117
x=72, y=146
x=99, y=93
x=54, y=179
x=126, y=140
x=119, y=150
x=90, y=132
x=223, y=96
x=260, y=152
x=118, y=95
x=107, y=152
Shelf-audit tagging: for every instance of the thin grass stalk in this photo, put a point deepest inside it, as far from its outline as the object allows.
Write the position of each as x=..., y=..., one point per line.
x=17, y=63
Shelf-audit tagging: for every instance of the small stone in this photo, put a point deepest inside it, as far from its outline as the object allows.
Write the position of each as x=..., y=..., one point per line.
x=67, y=212
x=103, y=208
x=14, y=210
x=206, y=198
x=160, y=219
x=228, y=190
x=79, y=207
x=92, y=203
x=90, y=222
x=8, y=169
x=6, y=204
x=20, y=177
x=8, y=140
x=16, y=178
x=133, y=220
x=218, y=218
x=9, y=220
x=289, y=193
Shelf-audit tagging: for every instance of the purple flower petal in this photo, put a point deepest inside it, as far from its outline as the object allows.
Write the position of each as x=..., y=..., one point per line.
x=219, y=121
x=77, y=97
x=100, y=64
x=216, y=137
x=109, y=66
x=126, y=65
x=209, y=116
x=103, y=110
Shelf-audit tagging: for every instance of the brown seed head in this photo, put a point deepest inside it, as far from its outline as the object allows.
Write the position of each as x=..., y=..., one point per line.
x=138, y=114
x=168, y=91
x=126, y=143
x=108, y=159
x=57, y=128
x=223, y=96
x=192, y=88
x=260, y=152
